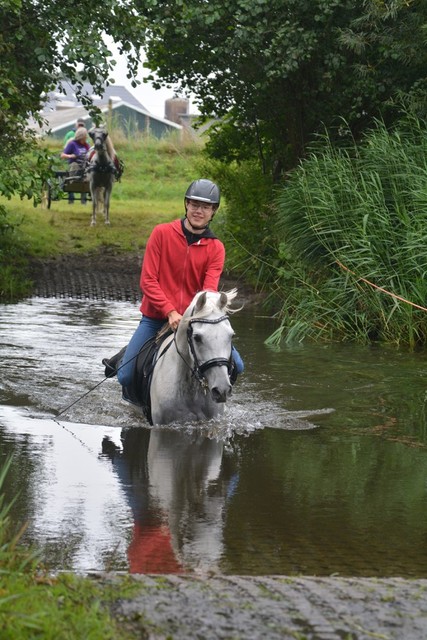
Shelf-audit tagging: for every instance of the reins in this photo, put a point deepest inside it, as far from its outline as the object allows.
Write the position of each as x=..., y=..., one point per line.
x=107, y=378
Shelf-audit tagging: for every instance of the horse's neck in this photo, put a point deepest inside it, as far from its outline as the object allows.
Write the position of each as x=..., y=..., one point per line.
x=184, y=362
x=103, y=157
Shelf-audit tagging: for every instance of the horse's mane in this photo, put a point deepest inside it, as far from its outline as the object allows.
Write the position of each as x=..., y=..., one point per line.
x=110, y=149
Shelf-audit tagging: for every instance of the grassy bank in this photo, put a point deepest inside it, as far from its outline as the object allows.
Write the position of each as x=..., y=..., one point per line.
x=157, y=174
x=37, y=604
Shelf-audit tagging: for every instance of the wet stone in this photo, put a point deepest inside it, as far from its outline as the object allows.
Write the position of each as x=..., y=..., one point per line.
x=224, y=607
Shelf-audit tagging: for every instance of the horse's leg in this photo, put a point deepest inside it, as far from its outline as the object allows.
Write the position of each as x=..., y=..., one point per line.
x=107, y=194
x=93, y=195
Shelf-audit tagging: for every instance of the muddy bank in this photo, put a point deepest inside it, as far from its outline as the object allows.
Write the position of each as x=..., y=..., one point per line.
x=106, y=275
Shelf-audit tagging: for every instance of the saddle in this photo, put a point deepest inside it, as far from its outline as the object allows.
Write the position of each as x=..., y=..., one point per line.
x=138, y=392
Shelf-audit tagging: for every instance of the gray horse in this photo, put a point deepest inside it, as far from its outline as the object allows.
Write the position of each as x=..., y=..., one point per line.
x=191, y=380
x=101, y=171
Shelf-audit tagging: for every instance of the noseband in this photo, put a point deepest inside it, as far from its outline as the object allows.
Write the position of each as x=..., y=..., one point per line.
x=199, y=369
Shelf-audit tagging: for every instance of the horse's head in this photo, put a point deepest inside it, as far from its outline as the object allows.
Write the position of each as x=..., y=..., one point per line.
x=99, y=136
x=209, y=336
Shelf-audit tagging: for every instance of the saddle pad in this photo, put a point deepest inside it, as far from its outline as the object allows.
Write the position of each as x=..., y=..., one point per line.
x=139, y=391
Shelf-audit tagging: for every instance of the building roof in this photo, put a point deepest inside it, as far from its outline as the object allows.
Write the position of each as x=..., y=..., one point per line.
x=59, y=100
x=65, y=118
x=61, y=111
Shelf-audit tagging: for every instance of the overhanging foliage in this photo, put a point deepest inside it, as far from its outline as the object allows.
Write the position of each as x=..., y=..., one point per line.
x=281, y=70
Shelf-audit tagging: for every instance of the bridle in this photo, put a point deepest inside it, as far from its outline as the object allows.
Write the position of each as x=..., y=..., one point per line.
x=198, y=370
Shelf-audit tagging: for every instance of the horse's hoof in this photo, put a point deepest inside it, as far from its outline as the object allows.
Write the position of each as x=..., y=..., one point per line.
x=107, y=222
x=92, y=224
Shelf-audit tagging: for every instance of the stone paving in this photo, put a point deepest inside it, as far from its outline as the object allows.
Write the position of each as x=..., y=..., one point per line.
x=276, y=607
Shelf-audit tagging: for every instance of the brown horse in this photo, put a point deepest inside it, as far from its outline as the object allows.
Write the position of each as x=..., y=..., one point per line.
x=102, y=171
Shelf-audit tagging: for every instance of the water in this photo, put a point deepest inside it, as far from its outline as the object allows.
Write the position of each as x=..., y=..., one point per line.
x=319, y=465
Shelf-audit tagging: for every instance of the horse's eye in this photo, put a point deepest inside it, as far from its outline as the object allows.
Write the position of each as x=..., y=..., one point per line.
x=197, y=338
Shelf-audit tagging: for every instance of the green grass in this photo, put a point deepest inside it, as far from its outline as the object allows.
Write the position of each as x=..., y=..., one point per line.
x=156, y=176
x=36, y=604
x=66, y=228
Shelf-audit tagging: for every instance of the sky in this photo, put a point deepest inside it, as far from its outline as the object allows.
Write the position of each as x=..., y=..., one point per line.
x=150, y=98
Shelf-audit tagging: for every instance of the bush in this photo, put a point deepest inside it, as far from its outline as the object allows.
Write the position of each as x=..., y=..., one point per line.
x=246, y=219
x=13, y=283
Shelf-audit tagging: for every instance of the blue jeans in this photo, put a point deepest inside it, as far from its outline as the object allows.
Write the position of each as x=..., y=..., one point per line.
x=147, y=328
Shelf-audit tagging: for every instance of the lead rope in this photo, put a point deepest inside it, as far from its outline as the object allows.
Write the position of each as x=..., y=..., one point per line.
x=107, y=378
x=93, y=388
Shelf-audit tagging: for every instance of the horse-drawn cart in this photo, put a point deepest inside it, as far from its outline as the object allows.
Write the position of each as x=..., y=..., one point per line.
x=66, y=182
x=92, y=175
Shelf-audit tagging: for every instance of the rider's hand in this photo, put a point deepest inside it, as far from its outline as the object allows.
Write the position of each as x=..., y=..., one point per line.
x=174, y=319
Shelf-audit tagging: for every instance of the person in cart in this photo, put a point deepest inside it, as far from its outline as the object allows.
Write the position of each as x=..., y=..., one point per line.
x=75, y=154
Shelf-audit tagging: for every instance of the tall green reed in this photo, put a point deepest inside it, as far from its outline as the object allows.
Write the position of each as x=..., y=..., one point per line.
x=351, y=214
x=12, y=557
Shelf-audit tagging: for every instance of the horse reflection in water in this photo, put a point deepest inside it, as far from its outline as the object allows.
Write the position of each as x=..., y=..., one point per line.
x=177, y=485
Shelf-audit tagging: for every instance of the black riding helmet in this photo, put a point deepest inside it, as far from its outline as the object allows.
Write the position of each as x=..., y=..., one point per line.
x=204, y=191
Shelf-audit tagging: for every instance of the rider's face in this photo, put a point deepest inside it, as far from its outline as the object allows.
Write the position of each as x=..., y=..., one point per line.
x=199, y=214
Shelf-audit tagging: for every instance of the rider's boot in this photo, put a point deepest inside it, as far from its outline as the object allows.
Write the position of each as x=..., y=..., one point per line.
x=110, y=364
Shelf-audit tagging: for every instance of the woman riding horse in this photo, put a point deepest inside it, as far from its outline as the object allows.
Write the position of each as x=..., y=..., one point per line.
x=181, y=258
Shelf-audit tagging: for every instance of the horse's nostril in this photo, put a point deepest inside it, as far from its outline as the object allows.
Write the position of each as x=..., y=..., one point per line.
x=220, y=396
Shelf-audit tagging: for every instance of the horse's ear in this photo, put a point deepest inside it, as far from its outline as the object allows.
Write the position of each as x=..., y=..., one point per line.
x=201, y=301
x=222, y=302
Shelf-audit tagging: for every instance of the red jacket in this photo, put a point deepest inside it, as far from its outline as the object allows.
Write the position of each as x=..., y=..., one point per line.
x=174, y=271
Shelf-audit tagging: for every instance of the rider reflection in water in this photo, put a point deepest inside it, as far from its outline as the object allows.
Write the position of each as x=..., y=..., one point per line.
x=181, y=258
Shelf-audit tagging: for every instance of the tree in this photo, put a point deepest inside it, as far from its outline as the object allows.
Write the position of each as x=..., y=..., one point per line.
x=42, y=43
x=279, y=71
